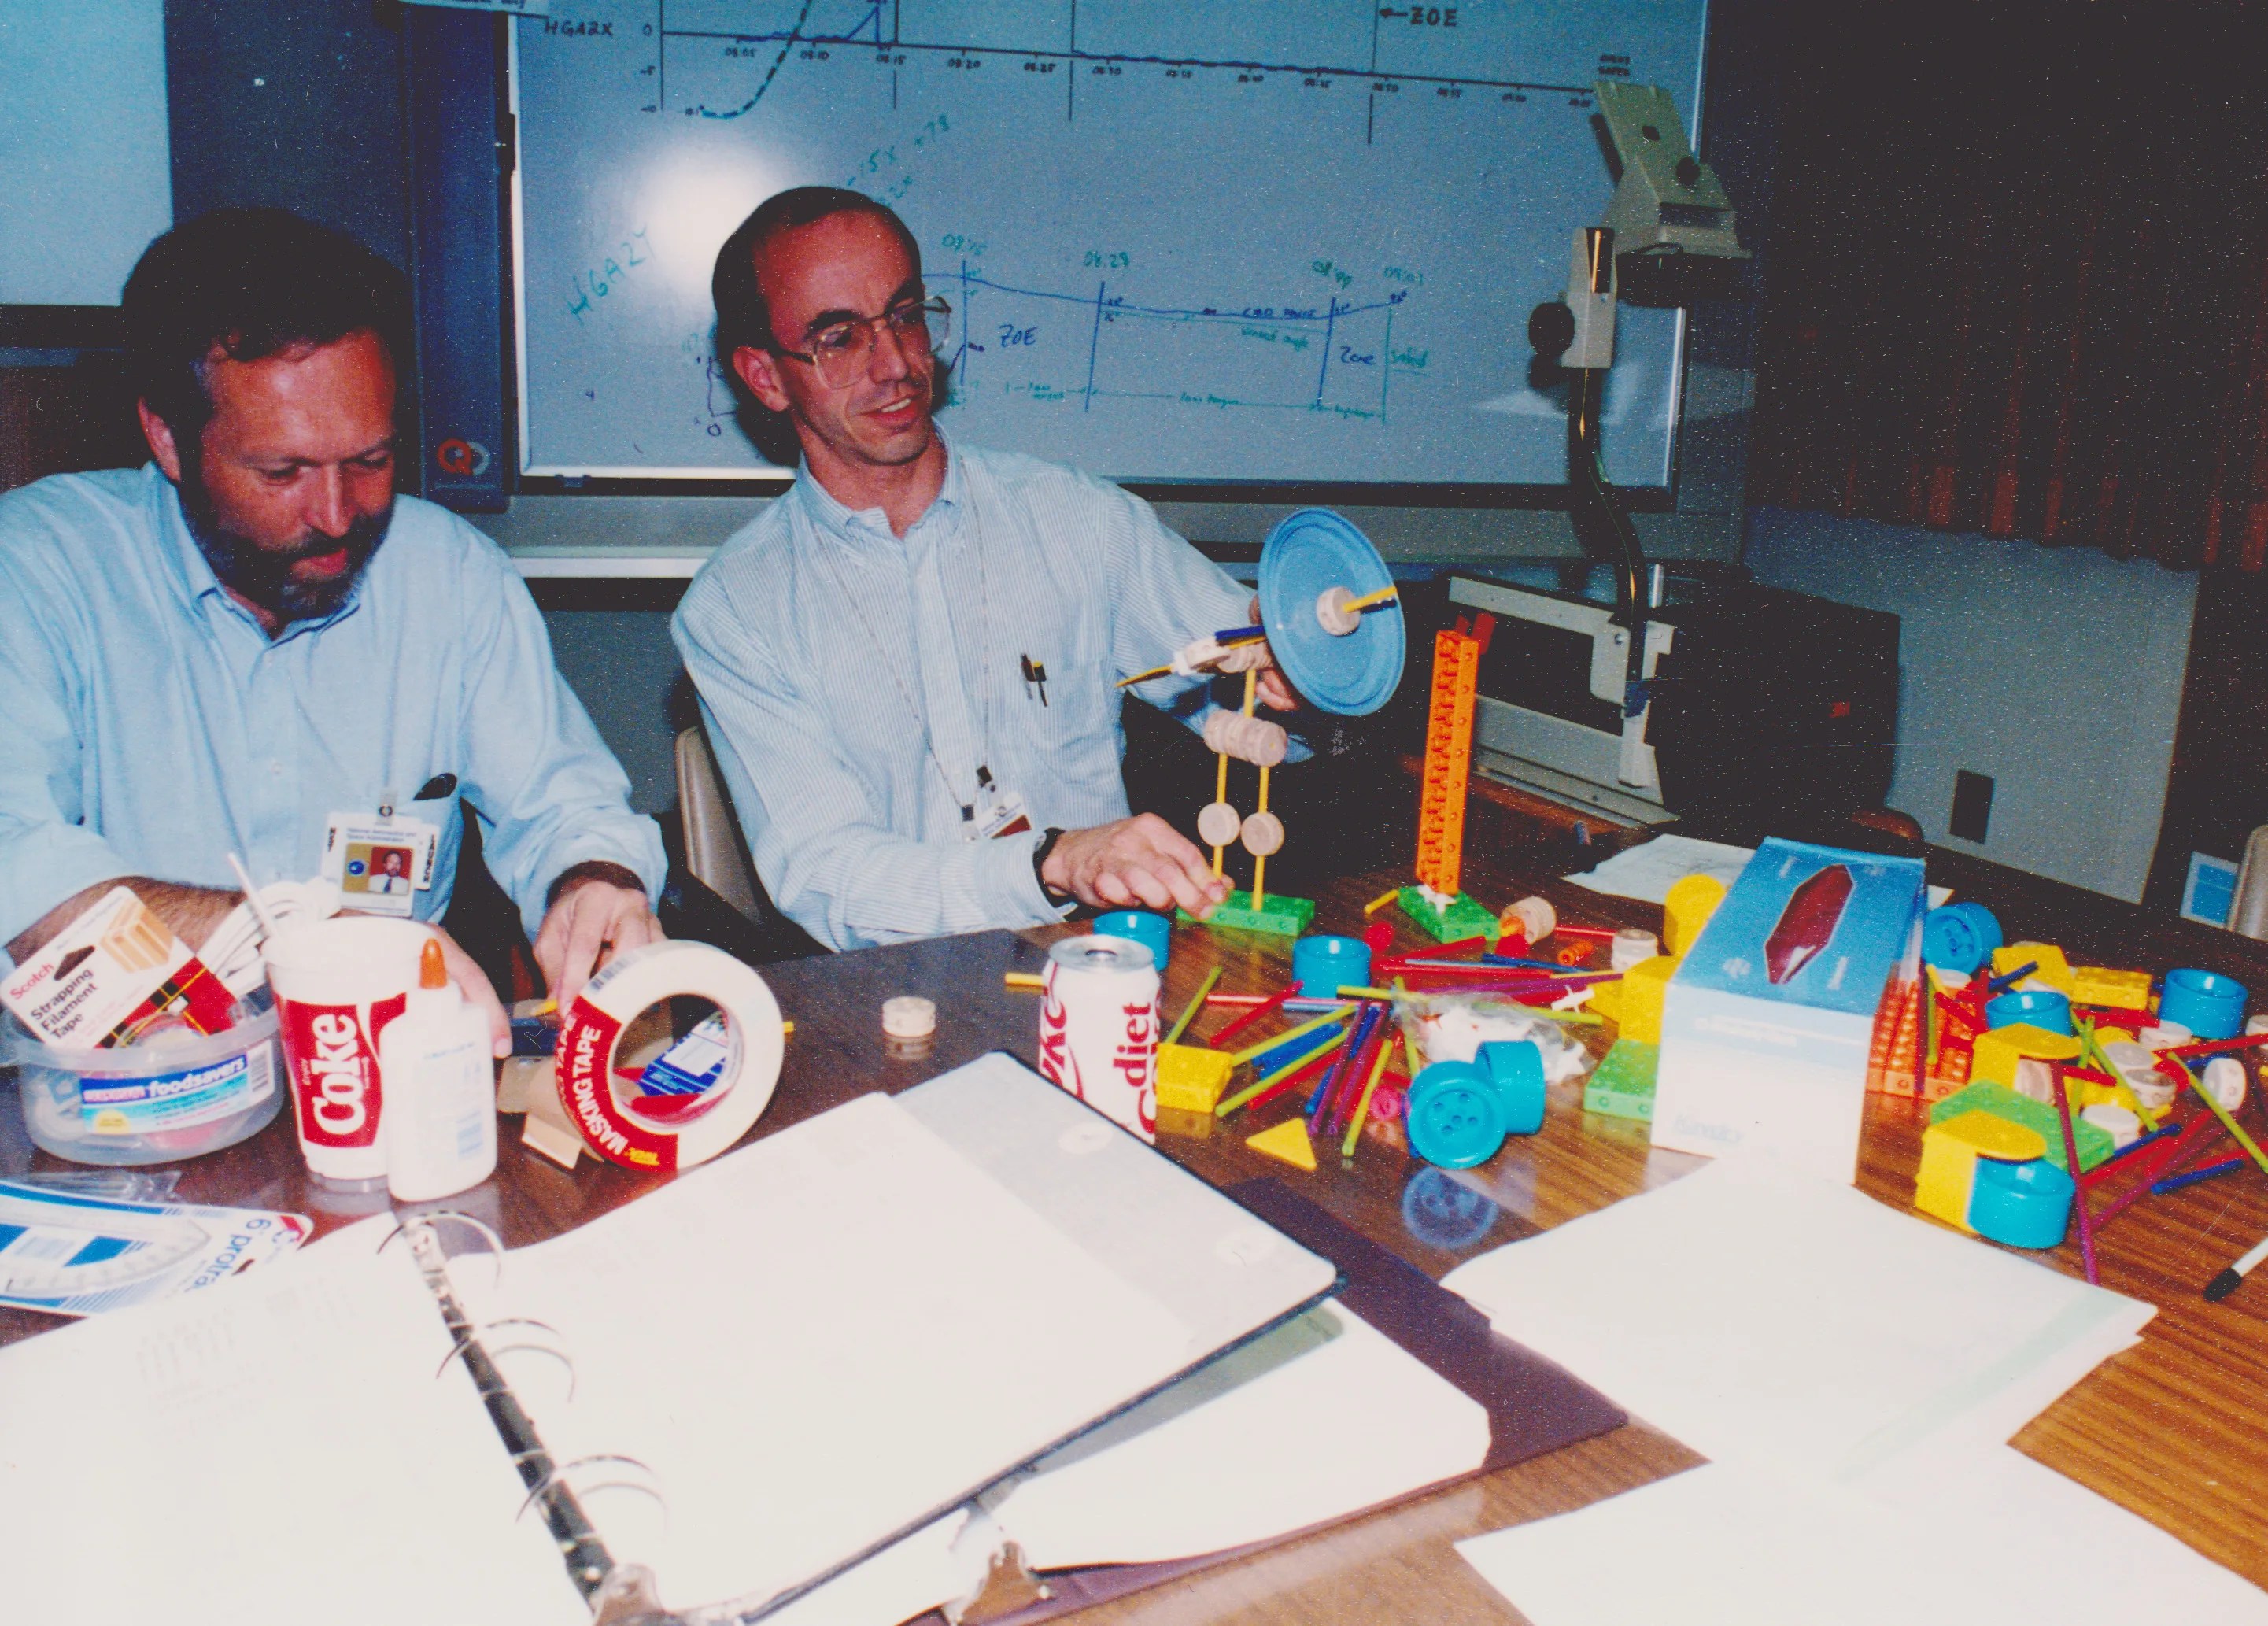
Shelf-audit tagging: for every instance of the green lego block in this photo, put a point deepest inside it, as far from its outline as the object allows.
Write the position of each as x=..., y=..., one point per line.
x=2095, y=1145
x=1463, y=918
x=1286, y=917
x=1622, y=1087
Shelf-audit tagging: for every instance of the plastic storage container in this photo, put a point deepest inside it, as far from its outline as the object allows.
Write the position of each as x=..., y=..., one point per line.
x=180, y=1095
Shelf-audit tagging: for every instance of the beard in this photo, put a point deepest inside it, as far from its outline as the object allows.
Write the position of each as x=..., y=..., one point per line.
x=262, y=576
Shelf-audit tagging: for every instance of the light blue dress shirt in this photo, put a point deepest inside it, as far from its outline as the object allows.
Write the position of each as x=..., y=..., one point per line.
x=854, y=682
x=149, y=726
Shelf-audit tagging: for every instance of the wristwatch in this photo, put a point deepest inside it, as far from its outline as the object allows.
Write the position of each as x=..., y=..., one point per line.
x=1048, y=840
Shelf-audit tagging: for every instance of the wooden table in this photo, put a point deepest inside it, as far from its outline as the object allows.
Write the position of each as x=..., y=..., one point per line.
x=2169, y=1429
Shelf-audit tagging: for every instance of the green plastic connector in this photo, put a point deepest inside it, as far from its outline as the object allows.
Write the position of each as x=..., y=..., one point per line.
x=1621, y=1086
x=1463, y=918
x=2095, y=1145
x=1285, y=917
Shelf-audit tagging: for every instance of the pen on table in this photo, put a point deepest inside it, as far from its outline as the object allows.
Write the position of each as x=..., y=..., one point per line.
x=2227, y=1281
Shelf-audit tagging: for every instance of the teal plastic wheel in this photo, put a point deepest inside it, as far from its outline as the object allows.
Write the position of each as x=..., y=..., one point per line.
x=1454, y=1119
x=1307, y=553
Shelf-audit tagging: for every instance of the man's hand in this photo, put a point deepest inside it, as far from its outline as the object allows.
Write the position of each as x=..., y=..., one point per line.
x=1142, y=861
x=597, y=910
x=473, y=983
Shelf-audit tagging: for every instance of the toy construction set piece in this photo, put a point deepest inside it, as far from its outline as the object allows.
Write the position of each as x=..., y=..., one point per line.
x=1320, y=582
x=1435, y=904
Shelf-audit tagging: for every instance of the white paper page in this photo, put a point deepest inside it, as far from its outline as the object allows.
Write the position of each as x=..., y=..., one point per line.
x=818, y=1341
x=941, y=1562
x=1752, y=1311
x=1987, y=1538
x=276, y=1448
x=1647, y=871
x=1321, y=1418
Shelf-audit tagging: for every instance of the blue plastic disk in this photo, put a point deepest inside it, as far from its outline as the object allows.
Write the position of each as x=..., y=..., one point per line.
x=1452, y=1117
x=1309, y=552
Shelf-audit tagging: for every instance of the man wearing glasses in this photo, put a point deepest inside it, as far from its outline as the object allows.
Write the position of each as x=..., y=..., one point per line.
x=908, y=663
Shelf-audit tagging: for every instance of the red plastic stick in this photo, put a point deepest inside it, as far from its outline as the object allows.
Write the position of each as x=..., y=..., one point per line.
x=1251, y=1016
x=2215, y=1047
x=1306, y=1075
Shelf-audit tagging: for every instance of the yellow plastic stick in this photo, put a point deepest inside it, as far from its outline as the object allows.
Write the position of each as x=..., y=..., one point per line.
x=1239, y=1058
x=1362, y=1107
x=1023, y=979
x=1279, y=1074
x=1260, y=859
x=1387, y=594
x=1219, y=794
x=2235, y=1129
x=1409, y=1035
x=1380, y=901
x=1193, y=1007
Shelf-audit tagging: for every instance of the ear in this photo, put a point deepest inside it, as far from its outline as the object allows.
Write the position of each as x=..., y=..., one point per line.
x=760, y=370
x=160, y=434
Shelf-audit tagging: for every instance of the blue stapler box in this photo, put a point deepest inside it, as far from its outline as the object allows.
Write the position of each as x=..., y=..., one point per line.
x=1768, y=1024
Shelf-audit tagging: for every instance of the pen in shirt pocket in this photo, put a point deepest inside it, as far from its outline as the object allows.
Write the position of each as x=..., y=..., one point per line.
x=1035, y=678
x=439, y=785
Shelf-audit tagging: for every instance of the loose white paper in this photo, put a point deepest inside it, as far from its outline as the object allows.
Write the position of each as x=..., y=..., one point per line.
x=1649, y=870
x=1753, y=1312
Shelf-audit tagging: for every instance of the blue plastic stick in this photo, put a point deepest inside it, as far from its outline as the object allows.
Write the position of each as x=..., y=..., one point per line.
x=2190, y=1177
x=2002, y=984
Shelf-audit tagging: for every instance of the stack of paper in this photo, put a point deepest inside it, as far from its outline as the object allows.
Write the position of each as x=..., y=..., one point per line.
x=1853, y=1373
x=1755, y=1311
x=1992, y=1539
x=1649, y=870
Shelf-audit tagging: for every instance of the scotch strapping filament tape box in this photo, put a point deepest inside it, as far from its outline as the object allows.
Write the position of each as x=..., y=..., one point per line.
x=1770, y=1020
x=668, y=1131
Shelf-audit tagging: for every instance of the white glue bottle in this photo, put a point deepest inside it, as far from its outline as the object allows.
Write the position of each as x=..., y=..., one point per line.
x=440, y=1081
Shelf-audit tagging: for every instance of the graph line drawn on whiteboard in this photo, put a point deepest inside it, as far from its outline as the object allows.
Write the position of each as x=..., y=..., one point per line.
x=860, y=25
x=1337, y=357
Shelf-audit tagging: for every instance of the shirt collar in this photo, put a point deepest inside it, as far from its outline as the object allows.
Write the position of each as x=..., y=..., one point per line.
x=193, y=573
x=861, y=525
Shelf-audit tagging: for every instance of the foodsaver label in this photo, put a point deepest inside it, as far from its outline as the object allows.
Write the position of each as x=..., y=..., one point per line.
x=178, y=1100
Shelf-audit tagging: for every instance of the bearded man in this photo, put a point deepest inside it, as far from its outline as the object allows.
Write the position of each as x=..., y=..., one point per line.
x=251, y=645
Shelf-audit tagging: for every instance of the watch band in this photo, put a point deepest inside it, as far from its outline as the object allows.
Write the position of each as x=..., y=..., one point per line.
x=1048, y=841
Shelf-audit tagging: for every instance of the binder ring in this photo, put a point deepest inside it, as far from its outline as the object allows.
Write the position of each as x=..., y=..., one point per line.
x=651, y=1484
x=431, y=1223
x=556, y=1351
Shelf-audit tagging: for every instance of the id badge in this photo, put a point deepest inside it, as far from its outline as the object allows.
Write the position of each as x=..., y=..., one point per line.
x=380, y=865
x=1001, y=813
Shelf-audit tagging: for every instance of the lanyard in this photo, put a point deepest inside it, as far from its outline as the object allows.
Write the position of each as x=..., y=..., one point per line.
x=930, y=596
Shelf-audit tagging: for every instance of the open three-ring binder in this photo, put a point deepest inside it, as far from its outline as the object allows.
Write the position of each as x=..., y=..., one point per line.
x=768, y=1369
x=830, y=1378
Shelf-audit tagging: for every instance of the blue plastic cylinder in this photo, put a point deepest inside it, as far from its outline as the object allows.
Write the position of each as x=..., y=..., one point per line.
x=1516, y=1068
x=1959, y=937
x=1321, y=966
x=2022, y=1204
x=1452, y=1116
x=1154, y=932
x=2042, y=1007
x=2209, y=1005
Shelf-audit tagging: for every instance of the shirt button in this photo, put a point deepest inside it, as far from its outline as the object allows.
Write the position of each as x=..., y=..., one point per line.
x=275, y=767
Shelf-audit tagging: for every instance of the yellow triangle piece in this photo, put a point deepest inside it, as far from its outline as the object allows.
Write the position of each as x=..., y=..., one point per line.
x=1287, y=1142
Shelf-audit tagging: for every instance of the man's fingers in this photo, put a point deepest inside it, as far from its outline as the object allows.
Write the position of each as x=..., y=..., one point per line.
x=1276, y=691
x=587, y=922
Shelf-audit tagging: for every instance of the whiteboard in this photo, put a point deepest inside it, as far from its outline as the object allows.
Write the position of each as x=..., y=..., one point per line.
x=85, y=177
x=1269, y=241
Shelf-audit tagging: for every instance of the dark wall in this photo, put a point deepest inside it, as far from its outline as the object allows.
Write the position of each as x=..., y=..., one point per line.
x=297, y=103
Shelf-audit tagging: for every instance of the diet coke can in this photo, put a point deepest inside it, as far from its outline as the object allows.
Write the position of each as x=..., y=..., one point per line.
x=1098, y=1029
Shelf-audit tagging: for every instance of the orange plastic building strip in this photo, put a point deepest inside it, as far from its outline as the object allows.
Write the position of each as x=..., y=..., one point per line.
x=1448, y=761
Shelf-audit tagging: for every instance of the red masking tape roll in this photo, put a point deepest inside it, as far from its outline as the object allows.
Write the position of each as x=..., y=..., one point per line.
x=689, y=1130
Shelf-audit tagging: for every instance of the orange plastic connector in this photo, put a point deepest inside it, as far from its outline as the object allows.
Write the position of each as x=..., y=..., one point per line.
x=1448, y=761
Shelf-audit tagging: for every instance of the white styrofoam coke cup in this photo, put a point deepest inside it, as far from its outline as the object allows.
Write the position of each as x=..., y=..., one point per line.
x=338, y=983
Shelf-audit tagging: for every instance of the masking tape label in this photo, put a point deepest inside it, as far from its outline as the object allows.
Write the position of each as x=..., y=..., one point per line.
x=592, y=1029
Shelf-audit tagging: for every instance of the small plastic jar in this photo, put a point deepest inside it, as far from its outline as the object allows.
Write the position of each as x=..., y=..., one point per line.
x=180, y=1095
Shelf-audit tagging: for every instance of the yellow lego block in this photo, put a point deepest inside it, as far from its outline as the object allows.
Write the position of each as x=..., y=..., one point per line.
x=2100, y=985
x=1607, y=1000
x=1692, y=899
x=1191, y=1077
x=2054, y=971
x=1288, y=1143
x=1950, y=1151
x=1643, y=987
x=1998, y=1052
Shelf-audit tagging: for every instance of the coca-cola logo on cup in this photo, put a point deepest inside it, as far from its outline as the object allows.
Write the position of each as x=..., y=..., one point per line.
x=332, y=1053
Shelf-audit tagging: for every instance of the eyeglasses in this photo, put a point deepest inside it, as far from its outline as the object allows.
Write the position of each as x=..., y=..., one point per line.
x=840, y=351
